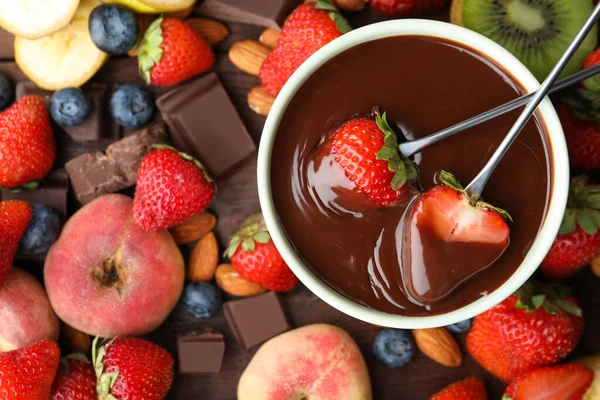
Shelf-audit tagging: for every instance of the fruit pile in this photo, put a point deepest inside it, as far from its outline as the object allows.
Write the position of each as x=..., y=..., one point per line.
x=117, y=267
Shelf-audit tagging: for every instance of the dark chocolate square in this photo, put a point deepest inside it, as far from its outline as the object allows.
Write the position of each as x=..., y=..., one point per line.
x=53, y=192
x=201, y=354
x=267, y=13
x=254, y=320
x=27, y=88
x=204, y=123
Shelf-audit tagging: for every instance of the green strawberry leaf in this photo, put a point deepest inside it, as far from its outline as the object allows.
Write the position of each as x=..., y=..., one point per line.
x=149, y=51
x=450, y=180
x=262, y=237
x=248, y=244
x=587, y=222
x=340, y=22
x=569, y=223
x=538, y=300
x=569, y=307
x=252, y=231
x=404, y=169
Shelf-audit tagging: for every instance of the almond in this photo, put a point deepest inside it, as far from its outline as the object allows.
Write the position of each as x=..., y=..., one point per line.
x=351, y=5
x=232, y=283
x=193, y=228
x=269, y=37
x=203, y=260
x=439, y=345
x=596, y=267
x=248, y=55
x=181, y=14
x=212, y=31
x=260, y=101
x=78, y=341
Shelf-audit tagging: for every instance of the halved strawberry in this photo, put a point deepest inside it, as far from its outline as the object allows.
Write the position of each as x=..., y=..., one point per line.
x=440, y=229
x=467, y=389
x=563, y=382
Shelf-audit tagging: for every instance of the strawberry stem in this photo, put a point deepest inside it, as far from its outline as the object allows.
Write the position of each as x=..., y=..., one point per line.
x=341, y=23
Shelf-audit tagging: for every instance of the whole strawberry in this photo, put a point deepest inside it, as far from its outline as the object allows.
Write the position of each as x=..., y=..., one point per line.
x=402, y=8
x=308, y=28
x=75, y=379
x=578, y=241
x=27, y=147
x=14, y=217
x=538, y=325
x=562, y=382
x=467, y=389
x=171, y=187
x=129, y=368
x=583, y=139
x=28, y=373
x=592, y=59
x=366, y=150
x=256, y=259
x=171, y=52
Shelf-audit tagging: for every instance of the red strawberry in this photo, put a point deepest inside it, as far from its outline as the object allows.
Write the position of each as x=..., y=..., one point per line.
x=129, y=368
x=171, y=187
x=28, y=373
x=171, y=52
x=75, y=379
x=14, y=217
x=578, y=241
x=583, y=139
x=563, y=382
x=256, y=259
x=401, y=8
x=538, y=325
x=592, y=59
x=467, y=389
x=27, y=147
x=309, y=27
x=366, y=149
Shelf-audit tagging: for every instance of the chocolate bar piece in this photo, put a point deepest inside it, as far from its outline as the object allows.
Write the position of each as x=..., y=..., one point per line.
x=53, y=191
x=270, y=14
x=95, y=174
x=201, y=354
x=205, y=124
x=99, y=124
x=256, y=319
x=27, y=88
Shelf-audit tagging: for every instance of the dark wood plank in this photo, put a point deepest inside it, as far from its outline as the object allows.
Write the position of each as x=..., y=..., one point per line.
x=238, y=197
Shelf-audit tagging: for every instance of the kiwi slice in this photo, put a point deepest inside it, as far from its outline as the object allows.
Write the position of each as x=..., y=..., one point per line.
x=537, y=32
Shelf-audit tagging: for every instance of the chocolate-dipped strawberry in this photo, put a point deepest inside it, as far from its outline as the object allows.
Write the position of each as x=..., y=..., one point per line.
x=446, y=240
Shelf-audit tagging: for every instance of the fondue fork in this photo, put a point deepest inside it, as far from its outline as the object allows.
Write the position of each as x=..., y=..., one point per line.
x=475, y=188
x=412, y=147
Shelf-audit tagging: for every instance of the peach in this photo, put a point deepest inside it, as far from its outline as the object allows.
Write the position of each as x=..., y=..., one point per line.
x=25, y=313
x=107, y=277
x=315, y=362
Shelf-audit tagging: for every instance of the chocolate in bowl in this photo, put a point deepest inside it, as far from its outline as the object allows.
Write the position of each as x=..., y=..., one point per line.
x=424, y=84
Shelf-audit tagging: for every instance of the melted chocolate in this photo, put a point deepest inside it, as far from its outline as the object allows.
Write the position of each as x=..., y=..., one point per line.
x=427, y=84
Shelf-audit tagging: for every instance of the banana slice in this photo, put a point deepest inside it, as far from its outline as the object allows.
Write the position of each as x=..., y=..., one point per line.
x=33, y=19
x=67, y=58
x=135, y=5
x=593, y=363
x=170, y=5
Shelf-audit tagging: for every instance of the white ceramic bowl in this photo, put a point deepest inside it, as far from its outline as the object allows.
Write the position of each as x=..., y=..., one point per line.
x=559, y=168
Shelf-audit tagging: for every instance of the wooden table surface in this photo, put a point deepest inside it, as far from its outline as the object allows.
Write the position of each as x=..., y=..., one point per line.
x=238, y=197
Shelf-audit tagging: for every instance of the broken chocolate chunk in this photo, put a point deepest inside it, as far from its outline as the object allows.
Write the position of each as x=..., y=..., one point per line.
x=205, y=124
x=201, y=353
x=95, y=174
x=254, y=320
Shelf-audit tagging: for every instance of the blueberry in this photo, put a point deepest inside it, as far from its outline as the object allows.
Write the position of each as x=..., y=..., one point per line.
x=394, y=347
x=42, y=231
x=131, y=106
x=202, y=300
x=70, y=106
x=7, y=91
x=113, y=29
x=460, y=327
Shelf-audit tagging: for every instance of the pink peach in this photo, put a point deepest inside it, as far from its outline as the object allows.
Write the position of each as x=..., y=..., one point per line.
x=107, y=277
x=25, y=313
x=315, y=362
